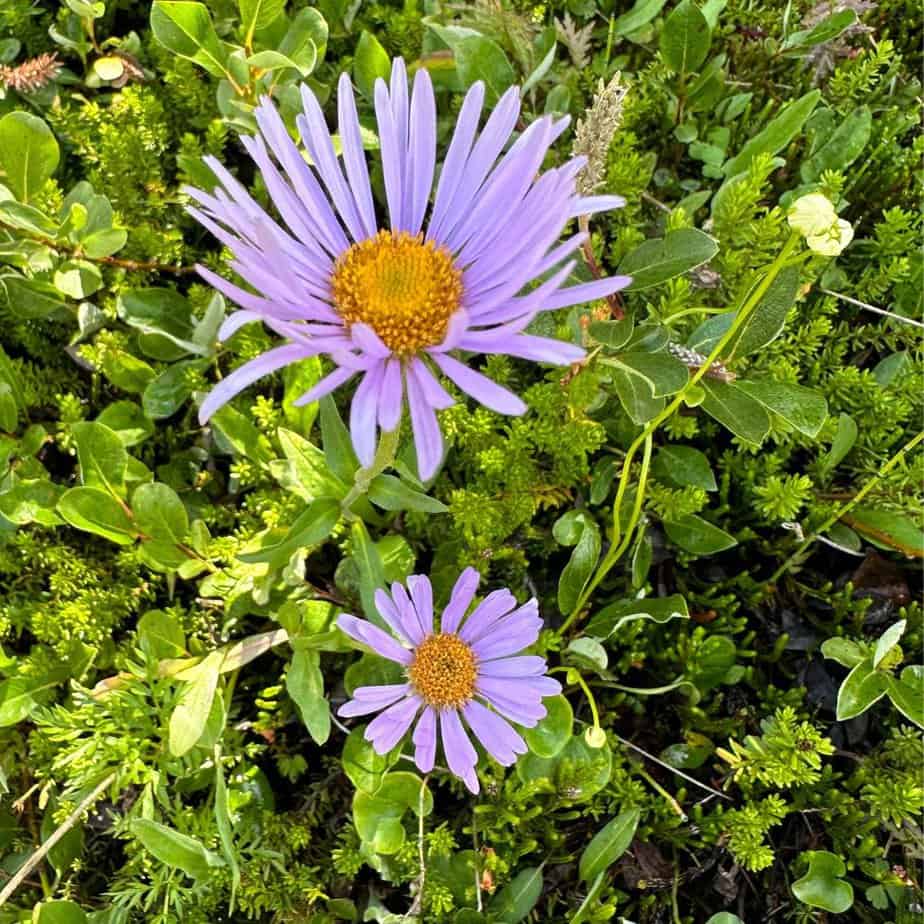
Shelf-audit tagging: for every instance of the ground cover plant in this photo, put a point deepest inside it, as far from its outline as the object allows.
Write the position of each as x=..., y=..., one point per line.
x=583, y=582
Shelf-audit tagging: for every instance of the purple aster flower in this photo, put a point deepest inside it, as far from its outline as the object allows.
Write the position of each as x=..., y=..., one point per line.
x=454, y=673
x=391, y=301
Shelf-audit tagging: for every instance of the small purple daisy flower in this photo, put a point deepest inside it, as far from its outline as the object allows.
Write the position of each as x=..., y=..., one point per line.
x=453, y=673
x=391, y=304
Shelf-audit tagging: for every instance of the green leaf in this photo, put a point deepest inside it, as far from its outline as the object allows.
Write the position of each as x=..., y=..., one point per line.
x=391, y=493
x=186, y=29
x=127, y=421
x=580, y=530
x=640, y=15
x=736, y=410
x=176, y=850
x=159, y=513
x=160, y=636
x=377, y=816
x=306, y=37
x=845, y=651
x=608, y=845
x=97, y=512
x=478, y=58
x=662, y=373
x=306, y=472
x=167, y=393
x=258, y=14
x=102, y=456
x=843, y=146
x=725, y=917
x=891, y=528
x=614, y=334
x=362, y=764
x=829, y=28
x=29, y=153
x=804, y=408
x=766, y=322
x=844, y=438
x=224, y=825
x=660, y=259
x=776, y=135
x=370, y=62
x=189, y=718
x=685, y=38
x=30, y=299
x=586, y=653
x=822, y=886
x=58, y=912
x=907, y=693
x=590, y=900
x=310, y=528
x=20, y=696
x=699, y=536
x=634, y=393
x=554, y=731
x=305, y=684
x=338, y=447
x=888, y=640
x=684, y=466
x=863, y=687
x=77, y=279
x=162, y=315
x=269, y=61
x=611, y=618
x=371, y=570
x=515, y=901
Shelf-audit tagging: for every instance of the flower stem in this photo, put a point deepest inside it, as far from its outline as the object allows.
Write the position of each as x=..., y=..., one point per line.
x=384, y=457
x=842, y=509
x=621, y=542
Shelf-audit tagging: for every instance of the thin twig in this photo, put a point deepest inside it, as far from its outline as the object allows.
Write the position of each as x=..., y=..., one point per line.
x=868, y=307
x=56, y=836
x=661, y=763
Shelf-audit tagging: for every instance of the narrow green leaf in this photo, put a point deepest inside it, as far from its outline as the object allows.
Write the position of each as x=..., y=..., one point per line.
x=225, y=834
x=189, y=718
x=580, y=530
x=776, y=135
x=515, y=901
x=305, y=684
x=176, y=850
x=608, y=845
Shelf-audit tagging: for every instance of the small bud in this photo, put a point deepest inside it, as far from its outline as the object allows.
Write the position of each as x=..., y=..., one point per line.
x=595, y=737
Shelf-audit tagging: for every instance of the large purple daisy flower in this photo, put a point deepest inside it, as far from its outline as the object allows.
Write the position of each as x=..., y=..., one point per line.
x=453, y=673
x=392, y=303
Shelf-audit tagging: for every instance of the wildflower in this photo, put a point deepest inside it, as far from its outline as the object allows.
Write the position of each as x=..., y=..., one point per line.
x=453, y=673
x=392, y=303
x=814, y=217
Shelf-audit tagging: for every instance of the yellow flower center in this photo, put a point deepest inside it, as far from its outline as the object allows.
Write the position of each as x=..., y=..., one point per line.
x=443, y=671
x=404, y=288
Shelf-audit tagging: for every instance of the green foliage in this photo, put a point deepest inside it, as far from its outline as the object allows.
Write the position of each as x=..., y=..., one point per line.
x=727, y=558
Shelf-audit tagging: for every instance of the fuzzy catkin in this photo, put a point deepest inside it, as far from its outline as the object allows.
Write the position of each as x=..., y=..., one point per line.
x=595, y=131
